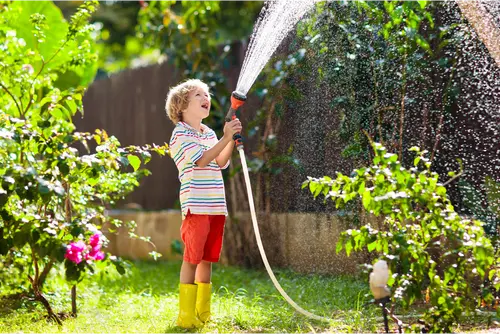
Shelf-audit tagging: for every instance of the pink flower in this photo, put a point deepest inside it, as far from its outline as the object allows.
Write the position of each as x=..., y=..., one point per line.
x=95, y=251
x=77, y=251
x=95, y=240
x=95, y=254
x=99, y=256
x=74, y=251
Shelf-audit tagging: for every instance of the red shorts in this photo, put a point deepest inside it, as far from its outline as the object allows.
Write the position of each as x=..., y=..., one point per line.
x=202, y=237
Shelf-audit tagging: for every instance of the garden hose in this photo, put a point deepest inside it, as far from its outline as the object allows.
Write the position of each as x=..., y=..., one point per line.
x=237, y=100
x=261, y=248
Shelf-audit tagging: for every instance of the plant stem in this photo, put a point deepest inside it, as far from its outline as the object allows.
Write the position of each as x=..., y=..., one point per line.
x=13, y=98
x=73, y=300
x=45, y=272
x=402, y=112
x=35, y=284
x=441, y=118
x=39, y=72
x=67, y=203
x=35, y=264
x=453, y=178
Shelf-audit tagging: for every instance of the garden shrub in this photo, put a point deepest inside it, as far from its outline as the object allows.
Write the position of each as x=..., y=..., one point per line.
x=403, y=72
x=53, y=189
x=433, y=253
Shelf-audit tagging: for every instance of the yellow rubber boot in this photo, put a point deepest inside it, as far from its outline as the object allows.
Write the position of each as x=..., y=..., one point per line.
x=187, y=306
x=203, y=301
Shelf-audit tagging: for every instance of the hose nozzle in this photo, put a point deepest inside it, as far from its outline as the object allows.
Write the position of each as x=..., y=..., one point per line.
x=237, y=100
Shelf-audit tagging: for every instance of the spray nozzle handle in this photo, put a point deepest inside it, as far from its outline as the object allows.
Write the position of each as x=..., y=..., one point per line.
x=231, y=114
x=237, y=100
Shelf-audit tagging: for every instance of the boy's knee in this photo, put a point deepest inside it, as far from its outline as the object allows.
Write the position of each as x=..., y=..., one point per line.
x=206, y=263
x=190, y=263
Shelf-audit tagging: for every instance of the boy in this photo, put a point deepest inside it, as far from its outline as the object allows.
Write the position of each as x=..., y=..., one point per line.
x=199, y=157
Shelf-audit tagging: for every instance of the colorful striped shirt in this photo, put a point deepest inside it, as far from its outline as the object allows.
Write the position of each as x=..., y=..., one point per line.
x=202, y=188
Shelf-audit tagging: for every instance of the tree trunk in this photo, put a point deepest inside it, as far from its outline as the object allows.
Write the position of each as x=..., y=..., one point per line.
x=73, y=300
x=45, y=272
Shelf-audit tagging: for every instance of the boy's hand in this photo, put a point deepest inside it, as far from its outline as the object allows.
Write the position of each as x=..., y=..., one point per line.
x=230, y=128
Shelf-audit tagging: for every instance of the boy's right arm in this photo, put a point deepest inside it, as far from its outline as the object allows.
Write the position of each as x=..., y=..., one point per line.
x=211, y=154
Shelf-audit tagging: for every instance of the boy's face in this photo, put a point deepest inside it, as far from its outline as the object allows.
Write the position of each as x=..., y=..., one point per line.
x=199, y=104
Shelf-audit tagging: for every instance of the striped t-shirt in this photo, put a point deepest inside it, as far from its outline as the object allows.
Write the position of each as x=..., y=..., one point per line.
x=202, y=189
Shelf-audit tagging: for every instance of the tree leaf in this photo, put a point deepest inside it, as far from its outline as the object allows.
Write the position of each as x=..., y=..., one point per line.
x=54, y=34
x=422, y=3
x=134, y=161
x=367, y=199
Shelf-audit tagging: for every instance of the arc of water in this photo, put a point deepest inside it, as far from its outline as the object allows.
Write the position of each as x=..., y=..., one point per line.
x=484, y=25
x=276, y=19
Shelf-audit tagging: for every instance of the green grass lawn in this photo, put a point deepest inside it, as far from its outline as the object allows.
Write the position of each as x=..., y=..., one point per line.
x=145, y=300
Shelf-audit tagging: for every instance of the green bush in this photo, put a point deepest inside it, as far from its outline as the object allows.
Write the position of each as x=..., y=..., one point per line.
x=433, y=253
x=53, y=189
x=381, y=60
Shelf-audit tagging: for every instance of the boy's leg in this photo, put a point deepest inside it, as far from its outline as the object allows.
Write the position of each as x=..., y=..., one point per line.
x=203, y=301
x=194, y=232
x=188, y=271
x=203, y=273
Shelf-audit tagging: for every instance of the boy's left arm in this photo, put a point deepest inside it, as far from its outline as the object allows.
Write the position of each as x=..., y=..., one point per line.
x=224, y=156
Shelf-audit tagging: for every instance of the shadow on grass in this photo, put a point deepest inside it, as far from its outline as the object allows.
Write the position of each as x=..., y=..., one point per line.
x=324, y=293
x=10, y=303
x=159, y=278
x=177, y=329
x=162, y=278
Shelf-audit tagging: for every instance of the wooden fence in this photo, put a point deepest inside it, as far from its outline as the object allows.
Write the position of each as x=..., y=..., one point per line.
x=130, y=106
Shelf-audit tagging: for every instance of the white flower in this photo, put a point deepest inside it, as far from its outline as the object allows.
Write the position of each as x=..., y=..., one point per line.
x=28, y=68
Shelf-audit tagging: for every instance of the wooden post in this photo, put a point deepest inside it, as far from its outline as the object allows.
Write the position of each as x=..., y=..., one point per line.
x=73, y=300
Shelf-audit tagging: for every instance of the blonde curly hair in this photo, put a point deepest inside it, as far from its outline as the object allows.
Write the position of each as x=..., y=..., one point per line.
x=178, y=98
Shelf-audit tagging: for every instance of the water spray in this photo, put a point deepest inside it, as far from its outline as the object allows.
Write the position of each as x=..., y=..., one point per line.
x=378, y=284
x=237, y=100
x=277, y=19
x=261, y=247
x=378, y=279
